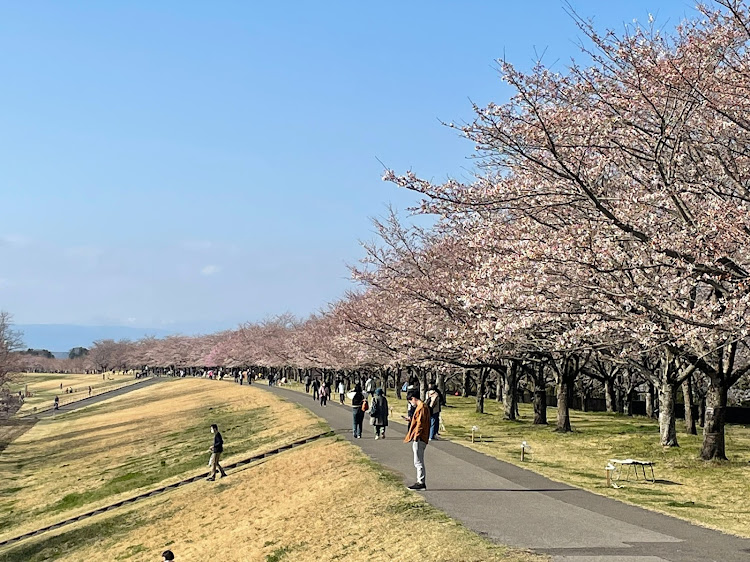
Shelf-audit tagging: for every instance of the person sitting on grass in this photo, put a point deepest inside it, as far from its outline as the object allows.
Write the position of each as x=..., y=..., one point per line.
x=216, y=449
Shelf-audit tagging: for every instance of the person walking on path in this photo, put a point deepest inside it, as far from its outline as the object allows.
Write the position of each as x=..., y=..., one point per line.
x=57, y=402
x=434, y=401
x=323, y=395
x=379, y=413
x=307, y=384
x=216, y=449
x=358, y=414
x=370, y=387
x=342, y=391
x=418, y=435
x=316, y=388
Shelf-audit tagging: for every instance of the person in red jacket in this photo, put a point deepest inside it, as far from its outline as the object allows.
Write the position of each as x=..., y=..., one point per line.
x=418, y=435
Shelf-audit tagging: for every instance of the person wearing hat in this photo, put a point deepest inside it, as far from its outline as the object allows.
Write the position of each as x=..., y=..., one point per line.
x=418, y=435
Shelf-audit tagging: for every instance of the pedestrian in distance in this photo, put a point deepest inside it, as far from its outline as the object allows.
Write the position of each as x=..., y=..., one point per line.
x=324, y=395
x=358, y=411
x=370, y=387
x=342, y=391
x=216, y=450
x=316, y=389
x=308, y=380
x=418, y=435
x=434, y=403
x=167, y=556
x=57, y=402
x=379, y=413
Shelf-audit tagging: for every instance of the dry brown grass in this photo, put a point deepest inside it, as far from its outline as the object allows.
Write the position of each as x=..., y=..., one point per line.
x=45, y=386
x=112, y=450
x=320, y=502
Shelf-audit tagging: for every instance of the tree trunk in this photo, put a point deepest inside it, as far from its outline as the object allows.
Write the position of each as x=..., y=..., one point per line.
x=440, y=381
x=667, y=429
x=563, y=412
x=466, y=383
x=628, y=402
x=650, y=400
x=540, y=396
x=509, y=391
x=702, y=412
x=713, y=430
x=687, y=393
x=498, y=387
x=422, y=377
x=397, y=376
x=480, y=390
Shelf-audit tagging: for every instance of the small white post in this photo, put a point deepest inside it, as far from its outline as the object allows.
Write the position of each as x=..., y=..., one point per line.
x=608, y=469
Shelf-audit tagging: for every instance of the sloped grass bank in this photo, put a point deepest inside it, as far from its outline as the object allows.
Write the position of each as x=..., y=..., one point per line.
x=323, y=501
x=153, y=436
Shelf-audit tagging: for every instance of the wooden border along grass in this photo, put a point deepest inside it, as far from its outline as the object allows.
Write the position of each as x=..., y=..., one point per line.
x=162, y=489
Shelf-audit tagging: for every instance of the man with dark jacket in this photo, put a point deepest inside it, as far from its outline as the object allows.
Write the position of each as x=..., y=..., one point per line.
x=216, y=449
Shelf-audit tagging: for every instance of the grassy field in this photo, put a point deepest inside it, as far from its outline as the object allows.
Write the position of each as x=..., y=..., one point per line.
x=45, y=386
x=714, y=494
x=323, y=501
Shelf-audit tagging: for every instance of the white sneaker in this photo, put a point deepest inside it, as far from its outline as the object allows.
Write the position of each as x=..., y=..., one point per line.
x=377, y=437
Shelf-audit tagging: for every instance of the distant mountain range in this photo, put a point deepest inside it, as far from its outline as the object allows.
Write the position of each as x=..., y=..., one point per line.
x=59, y=338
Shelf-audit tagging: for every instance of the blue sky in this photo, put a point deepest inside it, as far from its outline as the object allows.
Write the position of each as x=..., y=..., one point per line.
x=191, y=165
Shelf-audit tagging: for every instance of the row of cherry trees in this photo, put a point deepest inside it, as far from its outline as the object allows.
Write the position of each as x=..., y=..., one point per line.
x=603, y=244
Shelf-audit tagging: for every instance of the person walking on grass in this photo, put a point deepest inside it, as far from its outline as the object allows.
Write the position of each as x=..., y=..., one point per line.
x=379, y=413
x=418, y=435
x=434, y=402
x=342, y=391
x=216, y=449
x=358, y=414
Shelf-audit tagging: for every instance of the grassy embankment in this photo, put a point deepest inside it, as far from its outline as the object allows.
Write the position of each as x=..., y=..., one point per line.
x=323, y=501
x=45, y=386
x=713, y=494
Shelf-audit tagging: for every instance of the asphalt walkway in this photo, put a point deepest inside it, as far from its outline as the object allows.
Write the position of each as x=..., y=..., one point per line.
x=516, y=507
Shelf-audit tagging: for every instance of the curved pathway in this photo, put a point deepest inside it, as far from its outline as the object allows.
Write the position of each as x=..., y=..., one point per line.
x=517, y=507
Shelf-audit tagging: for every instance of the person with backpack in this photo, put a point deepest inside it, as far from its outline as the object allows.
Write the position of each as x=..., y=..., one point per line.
x=358, y=411
x=434, y=402
x=379, y=413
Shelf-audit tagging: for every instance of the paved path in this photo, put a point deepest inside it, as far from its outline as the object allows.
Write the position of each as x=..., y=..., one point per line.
x=516, y=507
x=96, y=398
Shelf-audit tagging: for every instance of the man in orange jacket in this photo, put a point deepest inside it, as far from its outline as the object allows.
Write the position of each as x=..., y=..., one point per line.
x=418, y=435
